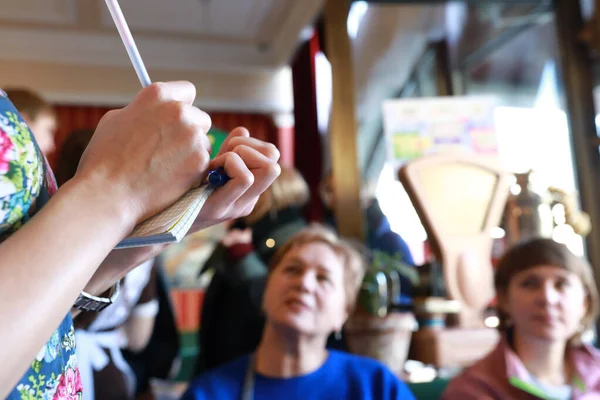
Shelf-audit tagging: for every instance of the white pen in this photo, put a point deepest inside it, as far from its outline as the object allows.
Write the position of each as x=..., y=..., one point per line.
x=128, y=42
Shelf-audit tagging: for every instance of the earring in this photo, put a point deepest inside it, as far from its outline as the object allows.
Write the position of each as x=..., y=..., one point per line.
x=338, y=335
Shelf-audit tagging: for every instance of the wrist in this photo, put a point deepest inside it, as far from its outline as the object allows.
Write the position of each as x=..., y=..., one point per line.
x=118, y=264
x=104, y=198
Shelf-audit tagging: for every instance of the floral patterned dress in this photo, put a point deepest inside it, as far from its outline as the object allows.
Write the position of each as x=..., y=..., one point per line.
x=26, y=184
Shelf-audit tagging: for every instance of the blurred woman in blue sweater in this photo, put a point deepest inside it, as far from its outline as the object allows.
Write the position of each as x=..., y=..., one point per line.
x=311, y=289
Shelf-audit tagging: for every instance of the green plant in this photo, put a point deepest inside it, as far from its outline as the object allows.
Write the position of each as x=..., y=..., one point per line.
x=369, y=297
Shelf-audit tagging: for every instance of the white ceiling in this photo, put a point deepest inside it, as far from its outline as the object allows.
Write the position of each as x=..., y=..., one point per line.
x=51, y=12
x=247, y=41
x=233, y=50
x=180, y=34
x=252, y=21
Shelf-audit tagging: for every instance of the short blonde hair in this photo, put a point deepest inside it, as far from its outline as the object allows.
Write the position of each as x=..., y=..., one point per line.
x=29, y=102
x=288, y=190
x=539, y=252
x=354, y=264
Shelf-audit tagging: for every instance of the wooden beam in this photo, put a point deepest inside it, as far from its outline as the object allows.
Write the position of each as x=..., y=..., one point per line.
x=443, y=68
x=342, y=129
x=578, y=89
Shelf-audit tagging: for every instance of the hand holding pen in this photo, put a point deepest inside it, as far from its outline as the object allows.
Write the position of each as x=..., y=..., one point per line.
x=245, y=166
x=216, y=177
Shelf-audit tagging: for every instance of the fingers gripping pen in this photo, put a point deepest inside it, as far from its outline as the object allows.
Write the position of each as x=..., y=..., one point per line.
x=216, y=177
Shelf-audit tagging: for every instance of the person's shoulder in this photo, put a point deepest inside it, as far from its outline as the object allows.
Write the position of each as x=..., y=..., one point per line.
x=230, y=368
x=479, y=378
x=368, y=369
x=589, y=350
x=24, y=188
x=586, y=359
x=218, y=381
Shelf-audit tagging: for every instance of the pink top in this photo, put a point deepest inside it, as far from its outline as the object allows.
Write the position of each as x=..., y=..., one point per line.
x=501, y=375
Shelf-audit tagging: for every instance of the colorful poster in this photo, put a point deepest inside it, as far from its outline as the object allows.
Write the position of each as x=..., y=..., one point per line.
x=417, y=127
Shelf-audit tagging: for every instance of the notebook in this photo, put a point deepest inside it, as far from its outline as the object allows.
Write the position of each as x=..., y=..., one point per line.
x=172, y=224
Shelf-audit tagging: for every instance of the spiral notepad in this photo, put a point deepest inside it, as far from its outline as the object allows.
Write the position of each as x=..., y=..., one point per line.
x=170, y=225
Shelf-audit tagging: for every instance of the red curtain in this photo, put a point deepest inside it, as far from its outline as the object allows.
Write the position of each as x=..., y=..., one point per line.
x=70, y=117
x=307, y=145
x=74, y=117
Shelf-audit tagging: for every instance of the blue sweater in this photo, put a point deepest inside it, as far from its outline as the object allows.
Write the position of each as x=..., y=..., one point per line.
x=343, y=376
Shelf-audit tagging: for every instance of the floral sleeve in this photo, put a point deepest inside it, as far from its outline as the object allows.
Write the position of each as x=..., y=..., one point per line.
x=26, y=184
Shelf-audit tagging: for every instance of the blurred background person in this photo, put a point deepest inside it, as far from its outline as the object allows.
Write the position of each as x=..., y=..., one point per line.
x=231, y=316
x=547, y=302
x=311, y=289
x=38, y=114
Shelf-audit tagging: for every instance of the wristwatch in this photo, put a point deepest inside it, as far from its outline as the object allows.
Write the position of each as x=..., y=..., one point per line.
x=87, y=302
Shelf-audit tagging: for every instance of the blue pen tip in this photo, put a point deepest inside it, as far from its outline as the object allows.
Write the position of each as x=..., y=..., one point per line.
x=217, y=177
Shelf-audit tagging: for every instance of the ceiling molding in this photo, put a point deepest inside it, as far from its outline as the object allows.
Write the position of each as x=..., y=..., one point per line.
x=273, y=22
x=232, y=50
x=169, y=36
x=88, y=24
x=106, y=49
x=232, y=20
x=121, y=100
x=45, y=11
x=261, y=92
x=89, y=14
x=301, y=14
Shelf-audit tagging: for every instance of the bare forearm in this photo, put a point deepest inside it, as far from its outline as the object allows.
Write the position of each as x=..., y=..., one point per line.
x=139, y=332
x=45, y=265
x=118, y=264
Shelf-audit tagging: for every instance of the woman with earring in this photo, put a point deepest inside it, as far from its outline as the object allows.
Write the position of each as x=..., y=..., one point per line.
x=548, y=301
x=311, y=288
x=240, y=271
